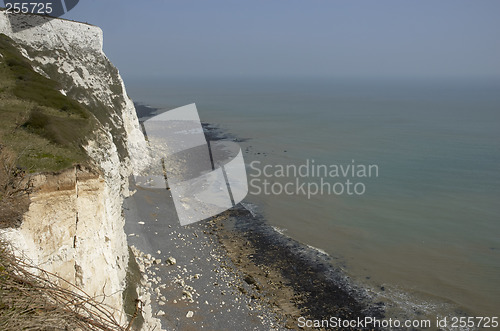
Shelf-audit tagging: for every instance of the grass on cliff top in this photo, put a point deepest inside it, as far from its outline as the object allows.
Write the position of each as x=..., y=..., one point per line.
x=41, y=126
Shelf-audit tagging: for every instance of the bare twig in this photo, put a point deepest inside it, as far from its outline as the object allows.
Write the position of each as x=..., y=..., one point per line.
x=32, y=299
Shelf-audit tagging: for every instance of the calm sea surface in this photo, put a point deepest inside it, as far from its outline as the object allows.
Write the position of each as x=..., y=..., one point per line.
x=426, y=231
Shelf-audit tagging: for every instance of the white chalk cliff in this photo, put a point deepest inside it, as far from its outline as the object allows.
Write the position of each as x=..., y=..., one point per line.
x=74, y=226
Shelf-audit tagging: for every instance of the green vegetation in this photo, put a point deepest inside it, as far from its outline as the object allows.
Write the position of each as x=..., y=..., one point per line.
x=41, y=130
x=42, y=127
x=102, y=111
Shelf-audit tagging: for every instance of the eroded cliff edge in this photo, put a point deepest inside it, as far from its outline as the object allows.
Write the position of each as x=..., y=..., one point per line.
x=74, y=224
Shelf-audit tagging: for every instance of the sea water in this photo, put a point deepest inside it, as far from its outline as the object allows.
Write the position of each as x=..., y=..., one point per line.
x=425, y=232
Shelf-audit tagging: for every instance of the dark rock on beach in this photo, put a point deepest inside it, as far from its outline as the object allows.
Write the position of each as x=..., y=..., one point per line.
x=293, y=278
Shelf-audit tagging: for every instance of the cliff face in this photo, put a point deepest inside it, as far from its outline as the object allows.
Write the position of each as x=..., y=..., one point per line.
x=74, y=229
x=71, y=53
x=74, y=226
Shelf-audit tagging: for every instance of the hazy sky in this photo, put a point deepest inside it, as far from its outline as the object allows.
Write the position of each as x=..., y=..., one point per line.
x=298, y=37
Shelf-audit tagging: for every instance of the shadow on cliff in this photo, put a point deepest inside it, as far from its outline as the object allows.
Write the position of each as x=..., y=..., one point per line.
x=20, y=22
x=23, y=22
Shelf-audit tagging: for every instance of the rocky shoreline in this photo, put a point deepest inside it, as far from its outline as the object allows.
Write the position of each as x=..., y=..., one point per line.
x=187, y=280
x=296, y=280
x=233, y=271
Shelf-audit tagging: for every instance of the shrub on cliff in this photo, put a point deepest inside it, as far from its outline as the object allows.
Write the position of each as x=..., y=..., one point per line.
x=30, y=299
x=41, y=130
x=38, y=123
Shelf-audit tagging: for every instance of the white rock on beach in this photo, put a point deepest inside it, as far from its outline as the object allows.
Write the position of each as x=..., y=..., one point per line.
x=189, y=314
x=187, y=294
x=171, y=261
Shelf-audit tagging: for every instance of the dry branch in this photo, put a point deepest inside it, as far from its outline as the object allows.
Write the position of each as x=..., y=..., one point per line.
x=31, y=299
